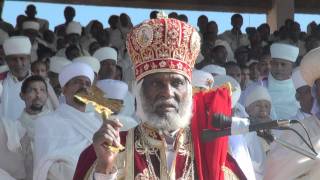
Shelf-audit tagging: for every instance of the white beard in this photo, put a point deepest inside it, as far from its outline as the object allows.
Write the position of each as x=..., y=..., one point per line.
x=172, y=121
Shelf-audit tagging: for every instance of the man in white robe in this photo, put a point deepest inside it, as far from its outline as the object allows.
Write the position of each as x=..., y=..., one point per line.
x=258, y=106
x=303, y=95
x=279, y=83
x=17, y=50
x=61, y=136
x=34, y=93
x=286, y=164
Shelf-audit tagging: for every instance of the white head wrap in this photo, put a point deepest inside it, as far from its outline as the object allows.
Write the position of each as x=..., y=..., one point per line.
x=57, y=63
x=214, y=69
x=105, y=53
x=309, y=66
x=257, y=93
x=113, y=89
x=297, y=79
x=17, y=45
x=284, y=51
x=74, y=28
x=236, y=89
x=201, y=79
x=73, y=70
x=31, y=25
x=91, y=61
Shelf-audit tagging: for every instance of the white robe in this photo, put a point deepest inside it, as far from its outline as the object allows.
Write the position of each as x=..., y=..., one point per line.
x=27, y=142
x=60, y=137
x=234, y=40
x=11, y=103
x=300, y=115
x=5, y=176
x=283, y=163
x=11, y=158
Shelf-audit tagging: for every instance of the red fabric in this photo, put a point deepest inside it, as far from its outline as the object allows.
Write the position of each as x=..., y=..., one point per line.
x=210, y=157
x=233, y=166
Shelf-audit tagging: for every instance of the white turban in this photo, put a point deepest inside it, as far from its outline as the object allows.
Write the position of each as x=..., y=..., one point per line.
x=257, y=93
x=236, y=89
x=31, y=25
x=57, y=63
x=113, y=89
x=284, y=51
x=74, y=28
x=105, y=53
x=214, y=69
x=297, y=79
x=73, y=70
x=91, y=61
x=17, y=45
x=309, y=66
x=201, y=79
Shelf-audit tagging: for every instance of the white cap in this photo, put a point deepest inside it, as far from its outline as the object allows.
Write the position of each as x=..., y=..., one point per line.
x=257, y=93
x=74, y=28
x=17, y=45
x=57, y=63
x=73, y=70
x=201, y=79
x=105, y=53
x=214, y=69
x=3, y=36
x=31, y=25
x=251, y=61
x=297, y=79
x=309, y=66
x=113, y=89
x=284, y=51
x=91, y=61
x=236, y=89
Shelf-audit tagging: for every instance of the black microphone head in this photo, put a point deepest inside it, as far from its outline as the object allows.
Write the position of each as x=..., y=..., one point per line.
x=221, y=121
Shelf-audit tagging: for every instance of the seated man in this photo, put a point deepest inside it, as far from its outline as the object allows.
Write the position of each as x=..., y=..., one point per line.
x=62, y=135
x=258, y=106
x=166, y=144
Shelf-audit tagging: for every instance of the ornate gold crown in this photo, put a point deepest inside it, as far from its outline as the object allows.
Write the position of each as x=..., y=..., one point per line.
x=163, y=45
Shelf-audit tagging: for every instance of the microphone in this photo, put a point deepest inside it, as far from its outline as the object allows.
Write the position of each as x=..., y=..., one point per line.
x=239, y=126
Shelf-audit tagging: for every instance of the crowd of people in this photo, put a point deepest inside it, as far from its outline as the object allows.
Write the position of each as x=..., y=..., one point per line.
x=167, y=75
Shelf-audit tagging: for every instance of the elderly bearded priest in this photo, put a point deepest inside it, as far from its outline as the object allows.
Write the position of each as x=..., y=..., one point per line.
x=166, y=144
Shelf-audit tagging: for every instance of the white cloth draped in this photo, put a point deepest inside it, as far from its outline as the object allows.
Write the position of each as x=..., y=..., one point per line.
x=11, y=161
x=257, y=154
x=5, y=176
x=300, y=115
x=283, y=163
x=283, y=97
x=60, y=137
x=27, y=142
x=11, y=103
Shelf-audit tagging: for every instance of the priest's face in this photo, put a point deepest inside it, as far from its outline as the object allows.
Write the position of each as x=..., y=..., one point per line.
x=76, y=85
x=165, y=101
x=281, y=69
x=19, y=65
x=35, y=96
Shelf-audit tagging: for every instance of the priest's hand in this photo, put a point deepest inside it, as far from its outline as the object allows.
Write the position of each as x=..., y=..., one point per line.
x=107, y=135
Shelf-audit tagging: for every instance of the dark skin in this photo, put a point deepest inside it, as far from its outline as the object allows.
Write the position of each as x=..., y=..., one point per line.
x=303, y=95
x=156, y=86
x=108, y=69
x=19, y=65
x=281, y=69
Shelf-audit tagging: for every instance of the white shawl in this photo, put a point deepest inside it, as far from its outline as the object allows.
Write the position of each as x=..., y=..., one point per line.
x=61, y=136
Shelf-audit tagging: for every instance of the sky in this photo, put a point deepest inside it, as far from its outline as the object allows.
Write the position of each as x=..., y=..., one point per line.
x=85, y=13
